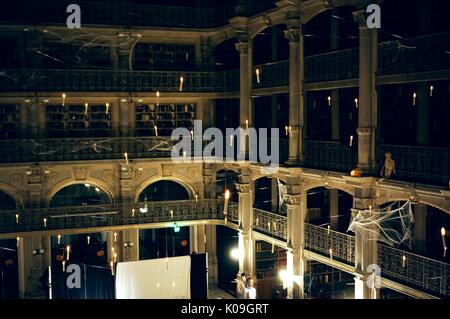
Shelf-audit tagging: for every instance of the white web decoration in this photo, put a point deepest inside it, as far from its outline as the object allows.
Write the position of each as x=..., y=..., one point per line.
x=388, y=225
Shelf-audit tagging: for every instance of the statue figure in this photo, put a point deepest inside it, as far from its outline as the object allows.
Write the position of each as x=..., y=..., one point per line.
x=388, y=167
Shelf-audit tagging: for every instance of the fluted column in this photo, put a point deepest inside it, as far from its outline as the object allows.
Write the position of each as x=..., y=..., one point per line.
x=296, y=263
x=246, y=241
x=367, y=112
x=296, y=91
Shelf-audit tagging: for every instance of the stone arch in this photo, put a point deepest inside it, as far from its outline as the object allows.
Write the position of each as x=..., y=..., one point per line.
x=13, y=192
x=189, y=188
x=68, y=182
x=348, y=190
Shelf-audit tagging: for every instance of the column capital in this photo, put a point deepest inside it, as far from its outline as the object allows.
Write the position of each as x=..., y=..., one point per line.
x=293, y=35
x=292, y=199
x=243, y=188
x=242, y=47
x=360, y=17
x=361, y=131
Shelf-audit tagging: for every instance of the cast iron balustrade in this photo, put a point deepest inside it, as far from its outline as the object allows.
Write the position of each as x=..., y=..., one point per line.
x=320, y=240
x=51, y=80
x=425, y=53
x=332, y=66
x=271, y=224
x=74, y=149
x=60, y=218
x=330, y=155
x=125, y=14
x=414, y=271
x=419, y=163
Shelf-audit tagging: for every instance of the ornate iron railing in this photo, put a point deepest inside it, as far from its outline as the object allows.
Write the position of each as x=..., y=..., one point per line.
x=61, y=218
x=425, y=53
x=66, y=149
x=271, y=224
x=414, y=271
x=330, y=243
x=127, y=14
x=419, y=163
x=330, y=155
x=337, y=65
x=51, y=80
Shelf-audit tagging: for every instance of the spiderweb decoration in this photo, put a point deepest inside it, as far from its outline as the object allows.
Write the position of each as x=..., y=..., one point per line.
x=390, y=225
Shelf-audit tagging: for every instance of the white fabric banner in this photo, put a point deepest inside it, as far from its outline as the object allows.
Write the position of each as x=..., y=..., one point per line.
x=164, y=278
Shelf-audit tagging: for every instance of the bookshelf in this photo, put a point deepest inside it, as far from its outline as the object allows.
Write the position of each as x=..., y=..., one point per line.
x=165, y=116
x=77, y=120
x=9, y=121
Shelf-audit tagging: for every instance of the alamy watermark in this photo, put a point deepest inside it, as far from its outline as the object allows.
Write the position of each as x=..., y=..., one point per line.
x=237, y=145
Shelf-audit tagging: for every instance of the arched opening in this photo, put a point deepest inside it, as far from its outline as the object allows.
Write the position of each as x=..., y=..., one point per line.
x=9, y=275
x=164, y=242
x=79, y=195
x=7, y=202
x=164, y=190
x=227, y=258
x=329, y=207
x=227, y=180
x=267, y=195
x=9, y=288
x=90, y=248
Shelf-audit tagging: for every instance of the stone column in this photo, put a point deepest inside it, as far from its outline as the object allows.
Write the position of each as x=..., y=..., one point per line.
x=124, y=117
x=296, y=91
x=366, y=248
x=23, y=115
x=42, y=119
x=295, y=199
x=130, y=245
x=245, y=114
x=367, y=112
x=423, y=114
x=420, y=227
x=335, y=116
x=246, y=241
x=334, y=208
x=32, y=264
x=33, y=111
x=210, y=230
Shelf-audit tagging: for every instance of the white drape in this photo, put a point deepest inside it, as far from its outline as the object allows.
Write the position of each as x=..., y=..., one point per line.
x=154, y=279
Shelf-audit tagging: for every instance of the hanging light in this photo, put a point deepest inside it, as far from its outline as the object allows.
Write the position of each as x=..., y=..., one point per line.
x=115, y=237
x=192, y=134
x=59, y=239
x=107, y=108
x=431, y=90
x=17, y=218
x=88, y=239
x=18, y=241
x=404, y=261
x=126, y=157
x=63, y=99
x=156, y=130
x=132, y=212
x=286, y=130
x=63, y=265
x=111, y=264
x=257, y=76
x=144, y=209
x=329, y=100
x=356, y=103
x=45, y=222
x=350, y=144
x=246, y=124
x=414, y=98
x=444, y=244
x=86, y=106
